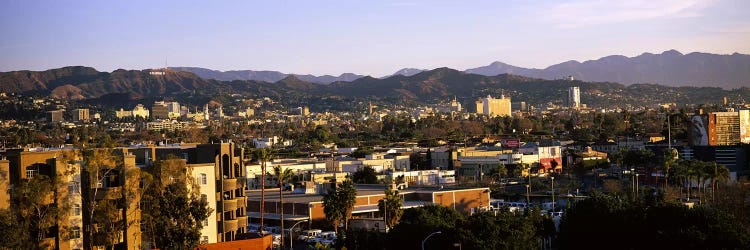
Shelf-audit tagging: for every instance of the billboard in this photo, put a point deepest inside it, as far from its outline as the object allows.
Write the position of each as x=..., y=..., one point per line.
x=511, y=143
x=698, y=130
x=745, y=126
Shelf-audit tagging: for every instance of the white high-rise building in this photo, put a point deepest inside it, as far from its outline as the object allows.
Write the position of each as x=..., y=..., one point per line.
x=574, y=97
x=494, y=107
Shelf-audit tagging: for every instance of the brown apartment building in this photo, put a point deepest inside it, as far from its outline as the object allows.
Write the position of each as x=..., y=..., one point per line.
x=69, y=193
x=218, y=168
x=226, y=185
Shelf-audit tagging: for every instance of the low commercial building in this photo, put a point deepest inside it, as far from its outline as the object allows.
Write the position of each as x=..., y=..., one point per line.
x=308, y=207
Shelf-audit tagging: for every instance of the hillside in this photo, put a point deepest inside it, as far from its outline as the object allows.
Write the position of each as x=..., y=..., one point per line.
x=428, y=86
x=83, y=82
x=670, y=68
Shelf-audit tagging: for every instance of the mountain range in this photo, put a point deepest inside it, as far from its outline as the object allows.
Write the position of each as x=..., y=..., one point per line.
x=670, y=68
x=264, y=75
x=131, y=86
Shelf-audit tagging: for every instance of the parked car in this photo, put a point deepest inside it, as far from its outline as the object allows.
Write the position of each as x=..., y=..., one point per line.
x=309, y=234
x=276, y=240
x=327, y=237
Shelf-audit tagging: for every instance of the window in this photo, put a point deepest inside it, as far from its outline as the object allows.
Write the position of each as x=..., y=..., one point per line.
x=75, y=232
x=205, y=223
x=30, y=173
x=204, y=240
x=73, y=187
x=204, y=179
x=76, y=209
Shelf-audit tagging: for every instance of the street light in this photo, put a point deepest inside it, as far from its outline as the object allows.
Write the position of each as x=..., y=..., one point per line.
x=527, y=195
x=457, y=244
x=636, y=185
x=553, y=192
x=632, y=181
x=385, y=214
x=428, y=236
x=291, y=237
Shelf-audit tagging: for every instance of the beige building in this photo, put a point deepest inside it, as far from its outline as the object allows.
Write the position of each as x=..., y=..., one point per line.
x=81, y=115
x=494, y=107
x=724, y=128
x=205, y=174
x=140, y=111
x=227, y=163
x=122, y=113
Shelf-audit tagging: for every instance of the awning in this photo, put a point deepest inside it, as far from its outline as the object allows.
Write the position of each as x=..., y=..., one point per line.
x=374, y=208
x=274, y=216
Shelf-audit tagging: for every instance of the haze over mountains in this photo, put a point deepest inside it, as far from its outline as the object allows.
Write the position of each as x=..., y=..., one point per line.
x=130, y=86
x=264, y=75
x=727, y=71
x=670, y=68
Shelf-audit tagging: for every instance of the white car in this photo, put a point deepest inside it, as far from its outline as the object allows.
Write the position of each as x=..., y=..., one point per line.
x=328, y=235
x=309, y=234
x=276, y=239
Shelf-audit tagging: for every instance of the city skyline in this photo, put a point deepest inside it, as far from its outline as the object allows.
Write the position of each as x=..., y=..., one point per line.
x=373, y=38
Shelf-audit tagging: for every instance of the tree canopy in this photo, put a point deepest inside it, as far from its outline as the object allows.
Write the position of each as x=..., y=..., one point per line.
x=173, y=214
x=338, y=204
x=611, y=222
x=365, y=175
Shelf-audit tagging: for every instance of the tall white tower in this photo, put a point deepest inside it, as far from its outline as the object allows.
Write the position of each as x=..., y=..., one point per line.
x=574, y=97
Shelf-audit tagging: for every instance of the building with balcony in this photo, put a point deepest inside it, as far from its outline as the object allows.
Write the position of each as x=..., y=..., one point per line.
x=219, y=170
x=68, y=230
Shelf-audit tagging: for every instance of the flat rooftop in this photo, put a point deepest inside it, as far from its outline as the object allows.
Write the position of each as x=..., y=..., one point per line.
x=362, y=190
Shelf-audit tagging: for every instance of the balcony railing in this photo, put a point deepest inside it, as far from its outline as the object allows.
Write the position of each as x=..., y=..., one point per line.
x=229, y=225
x=229, y=205
x=242, y=221
x=229, y=184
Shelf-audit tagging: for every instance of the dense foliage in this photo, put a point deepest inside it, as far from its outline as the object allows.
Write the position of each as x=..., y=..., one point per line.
x=487, y=230
x=610, y=222
x=173, y=215
x=338, y=204
x=365, y=175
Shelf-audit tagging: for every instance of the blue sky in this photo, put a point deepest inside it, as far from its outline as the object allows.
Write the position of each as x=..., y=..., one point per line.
x=364, y=37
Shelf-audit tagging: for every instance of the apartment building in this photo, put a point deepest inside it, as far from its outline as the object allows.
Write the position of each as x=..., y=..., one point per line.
x=216, y=169
x=224, y=187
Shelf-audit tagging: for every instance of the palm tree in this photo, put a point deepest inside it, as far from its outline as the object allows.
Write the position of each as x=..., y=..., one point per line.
x=702, y=175
x=720, y=173
x=691, y=173
x=263, y=155
x=680, y=174
x=281, y=176
x=670, y=159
